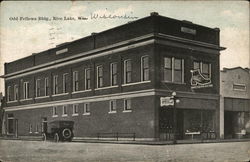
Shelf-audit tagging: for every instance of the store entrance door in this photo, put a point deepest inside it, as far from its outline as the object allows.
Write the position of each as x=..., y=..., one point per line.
x=228, y=124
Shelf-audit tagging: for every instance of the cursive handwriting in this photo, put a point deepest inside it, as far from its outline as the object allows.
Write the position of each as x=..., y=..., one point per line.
x=111, y=16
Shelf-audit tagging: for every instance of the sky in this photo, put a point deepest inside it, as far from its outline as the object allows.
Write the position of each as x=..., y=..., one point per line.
x=21, y=37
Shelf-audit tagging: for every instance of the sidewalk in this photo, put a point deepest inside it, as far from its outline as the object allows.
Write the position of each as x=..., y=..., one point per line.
x=194, y=141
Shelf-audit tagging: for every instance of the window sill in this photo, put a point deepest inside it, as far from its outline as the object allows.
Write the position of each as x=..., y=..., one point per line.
x=86, y=114
x=41, y=97
x=135, y=83
x=12, y=101
x=54, y=116
x=64, y=115
x=26, y=99
x=173, y=82
x=36, y=132
x=74, y=114
x=88, y=90
x=101, y=88
x=61, y=94
x=127, y=111
x=112, y=112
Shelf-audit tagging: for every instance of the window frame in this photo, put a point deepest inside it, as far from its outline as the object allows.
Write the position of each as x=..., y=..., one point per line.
x=75, y=107
x=173, y=69
x=55, y=84
x=46, y=86
x=8, y=94
x=112, y=109
x=85, y=105
x=145, y=68
x=75, y=81
x=16, y=92
x=99, y=78
x=87, y=80
x=64, y=110
x=125, y=105
x=54, y=111
x=127, y=72
x=25, y=90
x=65, y=82
x=240, y=84
x=38, y=87
x=113, y=75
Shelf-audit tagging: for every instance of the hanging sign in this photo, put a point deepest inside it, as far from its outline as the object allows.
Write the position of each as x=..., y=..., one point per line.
x=167, y=101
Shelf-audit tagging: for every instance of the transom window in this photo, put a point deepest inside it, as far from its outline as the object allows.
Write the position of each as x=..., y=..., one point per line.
x=173, y=70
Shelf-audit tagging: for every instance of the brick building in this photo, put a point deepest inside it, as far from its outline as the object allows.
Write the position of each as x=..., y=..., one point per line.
x=235, y=102
x=112, y=81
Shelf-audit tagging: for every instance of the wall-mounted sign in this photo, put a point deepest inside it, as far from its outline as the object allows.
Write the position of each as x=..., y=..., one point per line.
x=62, y=51
x=199, y=81
x=167, y=101
x=188, y=30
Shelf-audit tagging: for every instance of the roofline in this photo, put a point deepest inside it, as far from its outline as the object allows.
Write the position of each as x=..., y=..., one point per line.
x=233, y=68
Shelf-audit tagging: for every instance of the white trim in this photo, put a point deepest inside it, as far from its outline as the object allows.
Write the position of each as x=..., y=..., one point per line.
x=12, y=101
x=141, y=93
x=88, y=90
x=60, y=94
x=27, y=99
x=42, y=97
x=86, y=113
x=64, y=115
x=106, y=87
x=125, y=111
x=54, y=116
x=63, y=63
x=112, y=112
x=129, y=84
x=75, y=114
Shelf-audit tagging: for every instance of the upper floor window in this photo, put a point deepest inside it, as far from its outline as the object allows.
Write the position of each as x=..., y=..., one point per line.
x=144, y=68
x=239, y=87
x=86, y=109
x=55, y=84
x=99, y=76
x=65, y=82
x=54, y=112
x=8, y=94
x=113, y=74
x=205, y=68
x=38, y=87
x=87, y=79
x=46, y=86
x=16, y=92
x=75, y=81
x=127, y=71
x=26, y=90
x=112, y=106
x=173, y=70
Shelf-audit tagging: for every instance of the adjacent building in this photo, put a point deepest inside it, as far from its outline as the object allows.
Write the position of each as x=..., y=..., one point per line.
x=112, y=82
x=235, y=102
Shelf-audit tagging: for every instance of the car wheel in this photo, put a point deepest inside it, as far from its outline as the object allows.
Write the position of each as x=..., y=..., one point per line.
x=56, y=137
x=66, y=133
x=44, y=138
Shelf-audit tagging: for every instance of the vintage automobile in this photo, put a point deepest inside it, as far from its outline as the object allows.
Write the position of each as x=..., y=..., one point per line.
x=59, y=130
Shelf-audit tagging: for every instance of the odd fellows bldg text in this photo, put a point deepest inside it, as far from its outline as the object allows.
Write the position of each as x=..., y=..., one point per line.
x=112, y=82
